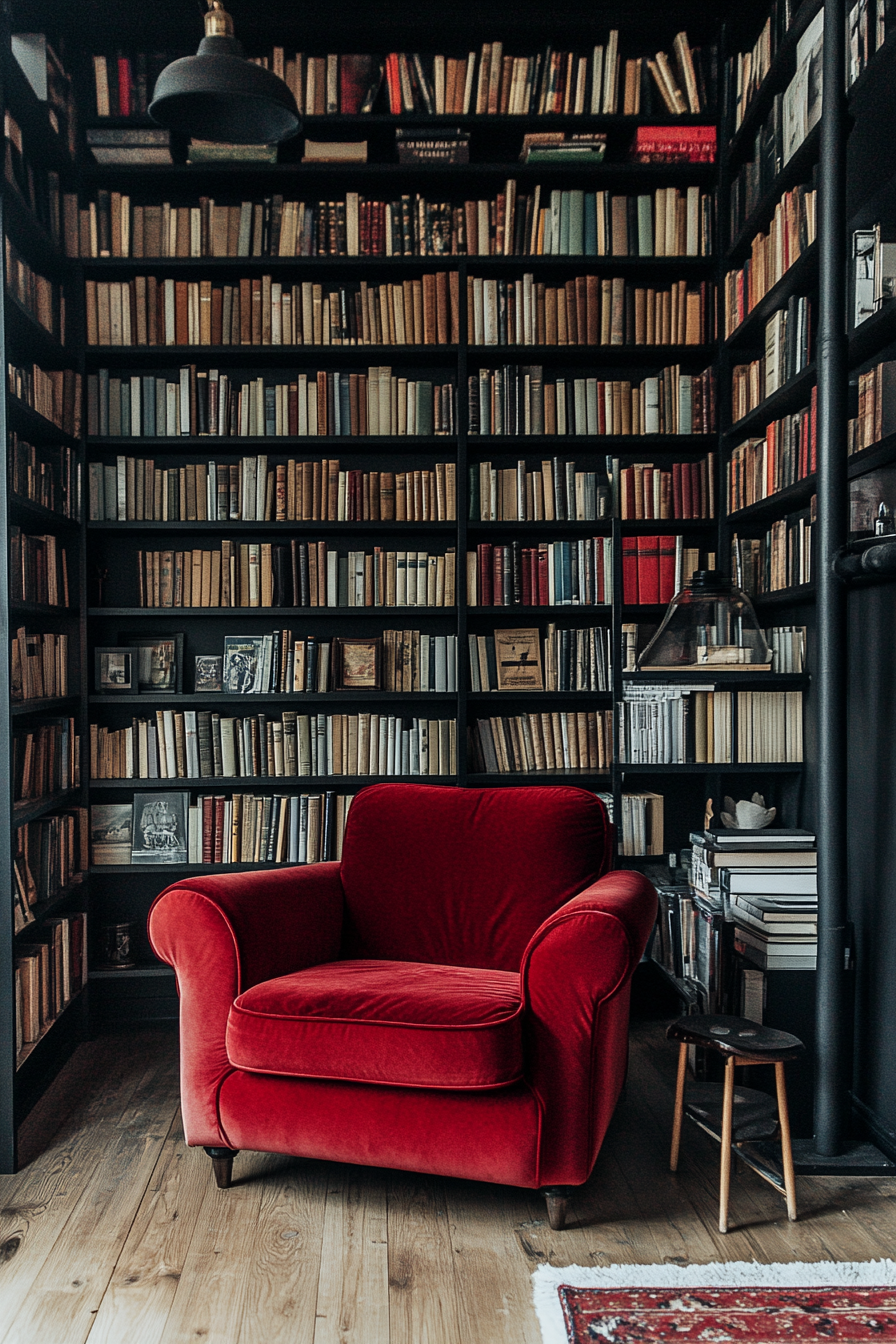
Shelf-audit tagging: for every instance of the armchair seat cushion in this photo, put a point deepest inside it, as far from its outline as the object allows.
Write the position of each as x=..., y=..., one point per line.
x=404, y=1023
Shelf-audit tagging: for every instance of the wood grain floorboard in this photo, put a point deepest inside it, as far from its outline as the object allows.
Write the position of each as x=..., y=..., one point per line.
x=116, y=1233
x=353, y=1290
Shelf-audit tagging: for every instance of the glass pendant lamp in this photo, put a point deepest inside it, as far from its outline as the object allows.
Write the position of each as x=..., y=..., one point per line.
x=709, y=624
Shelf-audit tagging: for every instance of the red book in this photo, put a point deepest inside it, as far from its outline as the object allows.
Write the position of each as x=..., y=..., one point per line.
x=601, y=408
x=526, y=577
x=676, y=490
x=125, y=100
x=208, y=829
x=703, y=468
x=630, y=571
x=813, y=440
x=666, y=568
x=356, y=74
x=543, y=585
x=293, y=409
x=498, y=577
x=393, y=83
x=628, y=492
x=648, y=562
x=485, y=575
x=219, y=829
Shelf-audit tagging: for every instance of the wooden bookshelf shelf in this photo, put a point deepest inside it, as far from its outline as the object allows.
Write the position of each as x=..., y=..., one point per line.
x=45, y=909
x=291, y=444
x=469, y=261
x=31, y=514
x=30, y=809
x=59, y=704
x=792, y=497
x=27, y=340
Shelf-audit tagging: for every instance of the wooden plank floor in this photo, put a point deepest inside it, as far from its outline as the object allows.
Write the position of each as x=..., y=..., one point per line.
x=116, y=1233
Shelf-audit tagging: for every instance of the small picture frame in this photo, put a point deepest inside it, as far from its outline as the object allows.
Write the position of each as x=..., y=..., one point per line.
x=160, y=828
x=114, y=670
x=209, y=672
x=111, y=833
x=159, y=662
x=358, y=664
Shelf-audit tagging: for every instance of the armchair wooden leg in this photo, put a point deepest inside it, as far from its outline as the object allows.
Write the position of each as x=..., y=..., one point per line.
x=727, y=1127
x=222, y=1165
x=557, y=1200
x=679, y=1105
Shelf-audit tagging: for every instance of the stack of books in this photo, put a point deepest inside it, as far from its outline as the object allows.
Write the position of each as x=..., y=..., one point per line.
x=129, y=145
x=558, y=147
x=767, y=882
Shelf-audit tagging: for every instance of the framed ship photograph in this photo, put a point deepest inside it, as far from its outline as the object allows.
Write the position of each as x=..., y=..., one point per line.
x=111, y=833
x=159, y=661
x=518, y=660
x=358, y=664
x=160, y=828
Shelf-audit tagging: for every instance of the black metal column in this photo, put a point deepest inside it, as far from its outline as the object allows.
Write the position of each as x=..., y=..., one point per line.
x=830, y=1045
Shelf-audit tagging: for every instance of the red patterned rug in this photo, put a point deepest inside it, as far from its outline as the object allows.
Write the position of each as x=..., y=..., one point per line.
x=737, y=1303
x=713, y=1315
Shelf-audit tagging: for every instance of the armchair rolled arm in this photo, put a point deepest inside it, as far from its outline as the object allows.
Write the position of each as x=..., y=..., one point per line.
x=223, y=933
x=575, y=979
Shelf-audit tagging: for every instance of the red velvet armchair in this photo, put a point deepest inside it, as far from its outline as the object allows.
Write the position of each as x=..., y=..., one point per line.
x=452, y=997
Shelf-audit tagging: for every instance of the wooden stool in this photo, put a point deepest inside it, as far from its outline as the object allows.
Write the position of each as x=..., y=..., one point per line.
x=731, y=1115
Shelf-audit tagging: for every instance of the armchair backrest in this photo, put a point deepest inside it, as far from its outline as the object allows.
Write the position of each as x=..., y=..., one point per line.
x=464, y=877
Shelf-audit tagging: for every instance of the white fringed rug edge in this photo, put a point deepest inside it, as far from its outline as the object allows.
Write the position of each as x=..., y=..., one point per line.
x=735, y=1274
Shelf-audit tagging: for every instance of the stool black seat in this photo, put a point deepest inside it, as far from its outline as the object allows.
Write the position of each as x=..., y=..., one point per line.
x=736, y=1115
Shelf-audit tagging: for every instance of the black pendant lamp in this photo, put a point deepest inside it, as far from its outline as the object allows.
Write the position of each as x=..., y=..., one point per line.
x=219, y=95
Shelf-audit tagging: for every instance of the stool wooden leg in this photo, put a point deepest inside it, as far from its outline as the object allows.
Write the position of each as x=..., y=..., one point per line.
x=679, y=1106
x=786, y=1150
x=727, y=1127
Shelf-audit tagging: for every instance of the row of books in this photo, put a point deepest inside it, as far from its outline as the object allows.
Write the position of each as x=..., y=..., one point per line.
x=53, y=393
x=48, y=855
x=161, y=828
x=555, y=573
x=588, y=310
x=553, y=491
x=38, y=569
x=642, y=823
x=249, y=490
x=781, y=558
x=745, y=71
x=654, y=568
x=37, y=186
x=686, y=491
x=208, y=401
x=791, y=232
x=149, y=310
x=123, y=83
x=867, y=25
x=676, y=725
x=46, y=475
x=38, y=665
x=793, y=114
x=302, y=574
x=577, y=659
x=760, y=467
x=667, y=222
x=397, y=660
x=515, y=399
x=876, y=418
x=561, y=741
x=39, y=296
x=46, y=760
x=205, y=745
x=49, y=972
x=788, y=350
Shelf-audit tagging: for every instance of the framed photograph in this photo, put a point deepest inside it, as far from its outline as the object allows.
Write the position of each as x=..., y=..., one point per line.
x=209, y=672
x=243, y=667
x=518, y=660
x=114, y=671
x=160, y=828
x=358, y=664
x=159, y=660
x=111, y=833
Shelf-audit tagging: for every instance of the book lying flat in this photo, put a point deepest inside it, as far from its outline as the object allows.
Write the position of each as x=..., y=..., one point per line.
x=767, y=838
x=784, y=882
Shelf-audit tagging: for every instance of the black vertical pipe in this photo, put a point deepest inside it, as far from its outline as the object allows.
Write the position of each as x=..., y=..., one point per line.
x=830, y=1045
